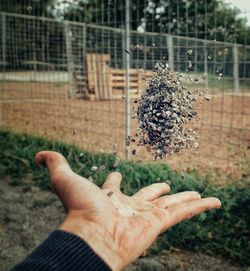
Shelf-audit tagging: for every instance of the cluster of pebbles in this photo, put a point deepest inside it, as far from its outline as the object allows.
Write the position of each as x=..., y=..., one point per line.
x=164, y=109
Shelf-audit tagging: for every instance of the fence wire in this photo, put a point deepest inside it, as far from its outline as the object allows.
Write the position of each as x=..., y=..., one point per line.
x=66, y=79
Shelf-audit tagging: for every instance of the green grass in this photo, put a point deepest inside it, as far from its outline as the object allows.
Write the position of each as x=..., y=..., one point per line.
x=224, y=232
x=225, y=83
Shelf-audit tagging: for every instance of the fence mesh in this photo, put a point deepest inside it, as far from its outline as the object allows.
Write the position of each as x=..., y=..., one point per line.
x=66, y=79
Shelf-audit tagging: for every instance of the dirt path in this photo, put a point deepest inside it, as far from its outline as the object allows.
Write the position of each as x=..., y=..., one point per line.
x=28, y=215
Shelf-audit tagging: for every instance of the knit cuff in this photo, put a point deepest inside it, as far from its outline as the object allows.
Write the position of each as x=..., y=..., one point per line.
x=63, y=251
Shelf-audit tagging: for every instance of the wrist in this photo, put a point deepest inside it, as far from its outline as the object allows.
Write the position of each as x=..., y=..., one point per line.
x=96, y=238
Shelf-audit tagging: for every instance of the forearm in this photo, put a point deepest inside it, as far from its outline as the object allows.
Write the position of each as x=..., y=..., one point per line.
x=62, y=251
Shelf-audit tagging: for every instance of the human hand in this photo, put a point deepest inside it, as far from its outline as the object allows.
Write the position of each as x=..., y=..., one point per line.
x=117, y=227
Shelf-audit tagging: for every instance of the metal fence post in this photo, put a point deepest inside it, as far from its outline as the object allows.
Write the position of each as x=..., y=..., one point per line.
x=3, y=27
x=205, y=65
x=70, y=60
x=127, y=64
x=170, y=51
x=84, y=44
x=236, y=69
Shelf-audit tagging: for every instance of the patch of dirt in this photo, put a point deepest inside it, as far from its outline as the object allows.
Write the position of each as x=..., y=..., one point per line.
x=28, y=215
x=180, y=260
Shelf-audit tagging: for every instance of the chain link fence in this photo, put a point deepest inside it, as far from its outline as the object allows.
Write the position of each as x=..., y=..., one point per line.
x=69, y=81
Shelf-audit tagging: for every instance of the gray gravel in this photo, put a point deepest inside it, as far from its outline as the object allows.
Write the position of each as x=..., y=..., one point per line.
x=164, y=110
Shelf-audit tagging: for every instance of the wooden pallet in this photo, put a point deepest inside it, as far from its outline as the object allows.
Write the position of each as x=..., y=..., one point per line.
x=138, y=82
x=80, y=84
x=98, y=76
x=104, y=82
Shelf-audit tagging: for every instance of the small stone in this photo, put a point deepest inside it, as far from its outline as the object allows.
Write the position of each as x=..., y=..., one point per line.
x=196, y=145
x=110, y=193
x=127, y=51
x=207, y=98
x=127, y=142
x=94, y=168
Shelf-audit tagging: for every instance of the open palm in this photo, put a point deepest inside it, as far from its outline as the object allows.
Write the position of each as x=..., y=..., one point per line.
x=119, y=228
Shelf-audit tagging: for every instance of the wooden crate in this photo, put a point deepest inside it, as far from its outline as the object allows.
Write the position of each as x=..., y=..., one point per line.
x=138, y=82
x=108, y=83
x=98, y=76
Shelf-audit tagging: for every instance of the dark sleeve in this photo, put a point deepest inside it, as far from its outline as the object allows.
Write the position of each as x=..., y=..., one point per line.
x=62, y=251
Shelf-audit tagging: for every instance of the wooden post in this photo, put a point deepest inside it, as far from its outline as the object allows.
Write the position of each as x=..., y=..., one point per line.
x=205, y=64
x=70, y=60
x=170, y=52
x=236, y=69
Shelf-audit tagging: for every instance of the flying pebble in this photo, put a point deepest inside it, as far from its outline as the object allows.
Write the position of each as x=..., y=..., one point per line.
x=127, y=51
x=94, y=168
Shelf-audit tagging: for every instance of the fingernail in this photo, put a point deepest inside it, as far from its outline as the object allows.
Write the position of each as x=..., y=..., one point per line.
x=218, y=204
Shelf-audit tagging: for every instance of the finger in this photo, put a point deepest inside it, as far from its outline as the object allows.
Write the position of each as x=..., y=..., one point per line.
x=52, y=161
x=152, y=191
x=67, y=184
x=186, y=210
x=113, y=181
x=167, y=201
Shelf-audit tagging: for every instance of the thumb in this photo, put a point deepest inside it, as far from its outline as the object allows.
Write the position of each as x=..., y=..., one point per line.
x=67, y=185
x=56, y=165
x=53, y=161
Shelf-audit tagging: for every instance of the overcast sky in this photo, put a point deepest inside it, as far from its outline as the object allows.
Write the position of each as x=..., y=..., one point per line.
x=243, y=5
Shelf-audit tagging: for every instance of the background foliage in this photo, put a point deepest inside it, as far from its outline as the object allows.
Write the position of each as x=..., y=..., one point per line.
x=211, y=19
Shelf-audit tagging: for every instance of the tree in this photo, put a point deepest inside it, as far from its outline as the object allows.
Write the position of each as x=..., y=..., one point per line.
x=205, y=19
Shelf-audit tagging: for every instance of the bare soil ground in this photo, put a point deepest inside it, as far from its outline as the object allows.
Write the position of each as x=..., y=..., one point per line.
x=44, y=109
x=28, y=215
